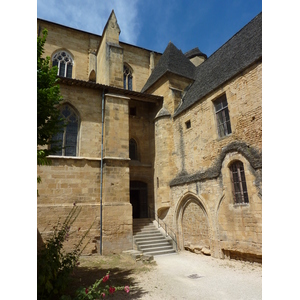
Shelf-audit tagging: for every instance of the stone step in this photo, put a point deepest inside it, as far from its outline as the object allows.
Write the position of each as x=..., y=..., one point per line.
x=154, y=239
x=144, y=229
x=148, y=234
x=156, y=247
x=153, y=242
x=142, y=221
x=159, y=252
x=142, y=226
x=149, y=239
x=157, y=243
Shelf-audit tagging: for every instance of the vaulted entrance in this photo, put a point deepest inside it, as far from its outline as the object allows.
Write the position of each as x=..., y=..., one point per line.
x=139, y=199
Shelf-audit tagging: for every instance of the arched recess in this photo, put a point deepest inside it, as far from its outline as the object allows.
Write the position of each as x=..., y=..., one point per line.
x=192, y=222
x=127, y=77
x=92, y=76
x=133, y=149
x=238, y=223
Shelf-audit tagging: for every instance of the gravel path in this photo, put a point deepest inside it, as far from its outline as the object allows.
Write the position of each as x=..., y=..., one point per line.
x=190, y=276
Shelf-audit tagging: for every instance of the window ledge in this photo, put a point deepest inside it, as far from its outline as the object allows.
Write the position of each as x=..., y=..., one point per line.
x=85, y=158
x=224, y=137
x=73, y=157
x=240, y=204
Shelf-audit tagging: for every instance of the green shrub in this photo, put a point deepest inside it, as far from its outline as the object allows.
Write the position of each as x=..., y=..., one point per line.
x=96, y=291
x=54, y=265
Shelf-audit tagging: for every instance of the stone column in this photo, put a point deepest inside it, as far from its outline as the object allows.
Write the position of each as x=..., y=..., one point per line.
x=163, y=166
x=117, y=210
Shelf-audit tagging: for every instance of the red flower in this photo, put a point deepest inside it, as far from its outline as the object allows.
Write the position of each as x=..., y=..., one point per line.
x=103, y=295
x=105, y=278
x=86, y=290
x=111, y=290
x=126, y=289
x=78, y=228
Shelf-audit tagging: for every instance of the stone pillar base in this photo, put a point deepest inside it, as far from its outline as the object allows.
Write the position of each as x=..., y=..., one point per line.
x=117, y=228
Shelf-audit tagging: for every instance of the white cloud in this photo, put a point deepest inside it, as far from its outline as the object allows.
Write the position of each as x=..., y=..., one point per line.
x=127, y=16
x=92, y=15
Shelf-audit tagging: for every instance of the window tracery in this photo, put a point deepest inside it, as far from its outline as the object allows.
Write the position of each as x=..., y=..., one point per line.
x=127, y=77
x=67, y=138
x=64, y=62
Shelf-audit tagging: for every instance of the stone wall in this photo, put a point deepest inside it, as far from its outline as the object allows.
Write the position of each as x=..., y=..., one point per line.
x=77, y=43
x=139, y=61
x=202, y=173
x=65, y=182
x=103, y=54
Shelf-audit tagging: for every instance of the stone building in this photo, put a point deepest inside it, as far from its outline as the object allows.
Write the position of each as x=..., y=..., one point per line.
x=178, y=135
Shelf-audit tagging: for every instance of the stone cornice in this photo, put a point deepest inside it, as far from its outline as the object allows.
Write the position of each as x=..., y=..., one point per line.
x=87, y=158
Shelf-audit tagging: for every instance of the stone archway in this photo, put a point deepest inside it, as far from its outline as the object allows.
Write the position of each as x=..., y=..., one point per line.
x=192, y=223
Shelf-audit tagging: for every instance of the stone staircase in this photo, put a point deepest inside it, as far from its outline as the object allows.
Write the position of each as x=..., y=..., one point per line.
x=149, y=239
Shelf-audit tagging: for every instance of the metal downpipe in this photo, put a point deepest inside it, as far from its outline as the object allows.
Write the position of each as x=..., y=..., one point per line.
x=101, y=172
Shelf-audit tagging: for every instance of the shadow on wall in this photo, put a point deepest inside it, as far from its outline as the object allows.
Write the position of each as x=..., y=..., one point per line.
x=40, y=243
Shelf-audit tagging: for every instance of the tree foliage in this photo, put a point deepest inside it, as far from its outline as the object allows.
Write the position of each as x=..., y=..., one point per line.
x=48, y=98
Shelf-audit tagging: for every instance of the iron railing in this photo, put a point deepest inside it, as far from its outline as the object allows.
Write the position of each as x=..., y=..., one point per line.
x=161, y=224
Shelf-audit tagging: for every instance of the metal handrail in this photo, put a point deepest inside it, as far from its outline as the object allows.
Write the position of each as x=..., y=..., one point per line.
x=165, y=228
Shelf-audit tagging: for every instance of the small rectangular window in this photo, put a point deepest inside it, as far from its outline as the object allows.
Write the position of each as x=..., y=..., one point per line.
x=222, y=116
x=132, y=111
x=188, y=124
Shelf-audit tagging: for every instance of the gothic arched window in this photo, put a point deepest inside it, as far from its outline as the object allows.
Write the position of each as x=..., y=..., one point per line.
x=64, y=62
x=133, y=149
x=67, y=138
x=239, y=186
x=127, y=77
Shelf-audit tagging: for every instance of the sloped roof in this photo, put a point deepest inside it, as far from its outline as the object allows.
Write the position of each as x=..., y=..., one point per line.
x=174, y=61
x=242, y=50
x=194, y=52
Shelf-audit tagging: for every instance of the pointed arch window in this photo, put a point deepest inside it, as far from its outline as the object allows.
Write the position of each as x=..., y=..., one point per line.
x=133, y=150
x=67, y=138
x=127, y=77
x=239, y=186
x=64, y=62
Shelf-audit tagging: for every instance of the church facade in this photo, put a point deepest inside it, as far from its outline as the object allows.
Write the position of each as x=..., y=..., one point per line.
x=172, y=134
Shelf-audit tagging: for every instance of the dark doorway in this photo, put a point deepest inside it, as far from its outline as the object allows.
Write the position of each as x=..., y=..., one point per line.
x=138, y=199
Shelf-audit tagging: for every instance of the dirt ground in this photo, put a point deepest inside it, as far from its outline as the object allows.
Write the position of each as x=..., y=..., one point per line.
x=180, y=276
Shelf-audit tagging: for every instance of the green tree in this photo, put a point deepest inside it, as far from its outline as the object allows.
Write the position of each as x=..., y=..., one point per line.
x=49, y=121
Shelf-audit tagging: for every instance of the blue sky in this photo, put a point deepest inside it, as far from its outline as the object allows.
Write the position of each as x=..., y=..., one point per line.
x=152, y=24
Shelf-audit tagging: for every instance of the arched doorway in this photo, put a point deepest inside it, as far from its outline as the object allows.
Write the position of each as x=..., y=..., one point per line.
x=139, y=199
x=192, y=223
